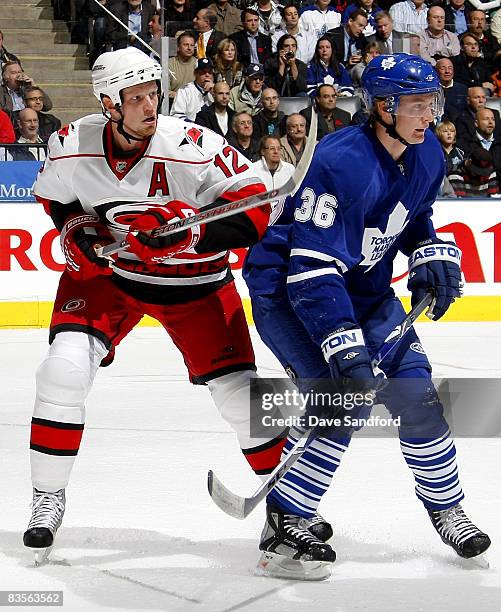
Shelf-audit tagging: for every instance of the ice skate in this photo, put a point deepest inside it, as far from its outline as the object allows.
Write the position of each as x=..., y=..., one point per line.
x=46, y=518
x=456, y=530
x=318, y=527
x=291, y=551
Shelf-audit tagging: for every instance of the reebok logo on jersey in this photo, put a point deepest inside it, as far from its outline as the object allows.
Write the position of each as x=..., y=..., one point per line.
x=417, y=348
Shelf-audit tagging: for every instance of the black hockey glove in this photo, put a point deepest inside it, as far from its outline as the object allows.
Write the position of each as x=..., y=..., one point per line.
x=436, y=265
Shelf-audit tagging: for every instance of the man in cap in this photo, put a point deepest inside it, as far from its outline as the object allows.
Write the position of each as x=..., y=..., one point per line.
x=247, y=96
x=192, y=97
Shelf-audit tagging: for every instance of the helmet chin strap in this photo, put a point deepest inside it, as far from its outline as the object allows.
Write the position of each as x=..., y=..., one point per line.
x=391, y=130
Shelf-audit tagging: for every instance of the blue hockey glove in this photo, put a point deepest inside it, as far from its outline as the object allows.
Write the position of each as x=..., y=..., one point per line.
x=348, y=359
x=436, y=266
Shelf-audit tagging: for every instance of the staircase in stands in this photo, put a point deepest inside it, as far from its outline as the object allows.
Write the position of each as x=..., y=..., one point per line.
x=43, y=46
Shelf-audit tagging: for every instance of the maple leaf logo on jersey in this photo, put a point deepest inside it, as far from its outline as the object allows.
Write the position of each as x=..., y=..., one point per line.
x=193, y=136
x=376, y=243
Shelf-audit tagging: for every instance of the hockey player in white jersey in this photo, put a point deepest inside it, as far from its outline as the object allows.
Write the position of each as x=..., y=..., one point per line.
x=119, y=175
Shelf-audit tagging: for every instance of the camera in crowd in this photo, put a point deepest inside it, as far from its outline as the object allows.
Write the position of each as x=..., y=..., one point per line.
x=289, y=55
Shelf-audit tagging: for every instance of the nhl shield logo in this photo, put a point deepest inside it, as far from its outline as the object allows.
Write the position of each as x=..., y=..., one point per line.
x=121, y=166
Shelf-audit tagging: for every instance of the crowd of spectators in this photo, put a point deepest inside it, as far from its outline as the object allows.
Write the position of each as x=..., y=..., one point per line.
x=237, y=59
x=25, y=123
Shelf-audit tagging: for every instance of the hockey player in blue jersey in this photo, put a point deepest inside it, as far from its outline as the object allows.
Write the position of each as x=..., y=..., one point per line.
x=324, y=268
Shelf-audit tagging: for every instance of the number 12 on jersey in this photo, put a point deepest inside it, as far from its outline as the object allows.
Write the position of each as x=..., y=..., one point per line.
x=321, y=210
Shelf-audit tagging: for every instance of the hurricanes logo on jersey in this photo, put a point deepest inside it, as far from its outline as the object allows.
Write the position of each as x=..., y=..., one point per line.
x=193, y=136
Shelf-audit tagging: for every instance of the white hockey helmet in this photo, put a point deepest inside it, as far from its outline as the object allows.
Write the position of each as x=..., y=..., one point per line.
x=113, y=71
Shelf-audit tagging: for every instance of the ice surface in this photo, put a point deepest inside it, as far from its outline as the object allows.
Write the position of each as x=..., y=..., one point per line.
x=141, y=533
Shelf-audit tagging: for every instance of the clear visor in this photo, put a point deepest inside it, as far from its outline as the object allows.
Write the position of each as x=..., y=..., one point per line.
x=416, y=105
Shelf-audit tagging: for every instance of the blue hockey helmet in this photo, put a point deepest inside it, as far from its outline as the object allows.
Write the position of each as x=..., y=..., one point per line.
x=388, y=77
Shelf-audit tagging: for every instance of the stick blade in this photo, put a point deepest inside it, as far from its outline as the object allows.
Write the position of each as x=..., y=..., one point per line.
x=232, y=504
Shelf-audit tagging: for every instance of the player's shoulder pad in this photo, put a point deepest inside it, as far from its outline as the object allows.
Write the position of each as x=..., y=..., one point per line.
x=67, y=140
x=346, y=160
x=186, y=139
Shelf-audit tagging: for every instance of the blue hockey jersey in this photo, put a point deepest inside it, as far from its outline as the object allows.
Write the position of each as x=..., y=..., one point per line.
x=332, y=246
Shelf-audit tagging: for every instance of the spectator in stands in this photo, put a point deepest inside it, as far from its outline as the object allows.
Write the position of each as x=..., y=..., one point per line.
x=466, y=122
x=496, y=25
x=455, y=93
x=270, y=16
x=469, y=67
x=134, y=14
x=269, y=121
x=457, y=16
x=476, y=177
x=320, y=17
x=293, y=143
x=192, y=97
x=6, y=56
x=306, y=38
x=371, y=51
x=496, y=75
x=325, y=68
x=330, y=118
x=99, y=17
x=178, y=15
x=370, y=7
x=435, y=41
x=227, y=68
x=273, y=171
x=242, y=136
x=454, y=156
x=228, y=16
x=208, y=38
x=28, y=130
x=488, y=44
x=409, y=16
x=484, y=135
x=388, y=40
x=7, y=134
x=218, y=116
x=348, y=41
x=47, y=123
x=247, y=96
x=183, y=64
x=253, y=47
x=14, y=82
x=284, y=72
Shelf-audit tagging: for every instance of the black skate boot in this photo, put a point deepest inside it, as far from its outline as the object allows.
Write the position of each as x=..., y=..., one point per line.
x=456, y=530
x=291, y=551
x=46, y=518
x=318, y=527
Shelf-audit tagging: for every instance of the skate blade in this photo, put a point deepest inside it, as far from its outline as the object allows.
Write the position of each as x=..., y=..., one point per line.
x=478, y=562
x=278, y=566
x=41, y=555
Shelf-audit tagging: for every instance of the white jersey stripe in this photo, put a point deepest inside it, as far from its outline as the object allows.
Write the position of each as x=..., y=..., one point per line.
x=296, y=278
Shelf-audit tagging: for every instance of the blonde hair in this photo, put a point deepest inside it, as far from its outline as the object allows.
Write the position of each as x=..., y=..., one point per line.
x=218, y=60
x=445, y=125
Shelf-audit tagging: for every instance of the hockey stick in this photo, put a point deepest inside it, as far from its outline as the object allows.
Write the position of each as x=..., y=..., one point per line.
x=232, y=208
x=240, y=507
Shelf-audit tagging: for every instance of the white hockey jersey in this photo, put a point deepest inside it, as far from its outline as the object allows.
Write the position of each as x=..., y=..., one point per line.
x=182, y=161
